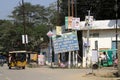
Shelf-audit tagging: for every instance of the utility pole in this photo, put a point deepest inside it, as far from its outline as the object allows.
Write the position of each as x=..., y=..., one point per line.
x=88, y=32
x=75, y=8
x=116, y=9
x=58, y=23
x=72, y=8
x=76, y=55
x=88, y=26
x=24, y=27
x=68, y=7
x=58, y=12
x=69, y=55
x=24, y=22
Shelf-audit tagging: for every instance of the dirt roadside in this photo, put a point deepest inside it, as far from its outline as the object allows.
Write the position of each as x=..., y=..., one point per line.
x=107, y=73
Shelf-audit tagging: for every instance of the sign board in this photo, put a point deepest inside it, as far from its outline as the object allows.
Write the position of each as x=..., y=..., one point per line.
x=94, y=56
x=65, y=43
x=89, y=20
x=58, y=30
x=76, y=23
x=72, y=23
x=50, y=34
x=68, y=22
x=41, y=59
x=24, y=39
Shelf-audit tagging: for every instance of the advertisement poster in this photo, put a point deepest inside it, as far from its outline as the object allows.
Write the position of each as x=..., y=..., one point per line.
x=94, y=56
x=68, y=22
x=76, y=23
x=58, y=30
x=89, y=20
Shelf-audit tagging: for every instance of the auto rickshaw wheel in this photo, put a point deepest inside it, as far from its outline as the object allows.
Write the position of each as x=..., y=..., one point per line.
x=9, y=67
x=23, y=67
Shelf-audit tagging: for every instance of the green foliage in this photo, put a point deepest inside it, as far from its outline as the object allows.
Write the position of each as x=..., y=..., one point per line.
x=38, y=19
x=100, y=9
x=6, y=34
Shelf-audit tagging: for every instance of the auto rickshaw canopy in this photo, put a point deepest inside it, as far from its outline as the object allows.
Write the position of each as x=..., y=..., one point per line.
x=22, y=51
x=109, y=53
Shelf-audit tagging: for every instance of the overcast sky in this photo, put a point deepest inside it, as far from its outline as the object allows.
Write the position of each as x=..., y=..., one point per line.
x=7, y=6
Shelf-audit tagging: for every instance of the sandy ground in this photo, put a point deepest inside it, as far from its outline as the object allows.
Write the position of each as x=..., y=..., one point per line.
x=105, y=73
x=46, y=73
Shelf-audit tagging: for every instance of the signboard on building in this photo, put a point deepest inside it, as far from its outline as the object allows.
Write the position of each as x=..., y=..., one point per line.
x=76, y=23
x=65, y=43
x=72, y=23
x=89, y=20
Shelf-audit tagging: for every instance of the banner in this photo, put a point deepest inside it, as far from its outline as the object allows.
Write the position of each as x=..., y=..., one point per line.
x=76, y=23
x=89, y=20
x=24, y=39
x=72, y=23
x=68, y=22
x=58, y=30
x=94, y=56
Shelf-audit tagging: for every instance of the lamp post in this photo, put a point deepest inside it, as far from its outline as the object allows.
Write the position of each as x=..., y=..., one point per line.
x=88, y=32
x=24, y=23
x=116, y=31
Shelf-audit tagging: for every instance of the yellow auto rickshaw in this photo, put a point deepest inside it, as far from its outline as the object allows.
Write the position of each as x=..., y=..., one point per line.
x=17, y=59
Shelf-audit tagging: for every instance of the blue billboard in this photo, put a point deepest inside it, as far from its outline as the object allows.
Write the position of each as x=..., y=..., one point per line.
x=65, y=43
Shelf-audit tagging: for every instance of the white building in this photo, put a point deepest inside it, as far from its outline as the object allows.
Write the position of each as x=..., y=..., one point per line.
x=102, y=34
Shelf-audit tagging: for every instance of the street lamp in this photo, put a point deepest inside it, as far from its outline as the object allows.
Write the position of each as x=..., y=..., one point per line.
x=116, y=9
x=24, y=22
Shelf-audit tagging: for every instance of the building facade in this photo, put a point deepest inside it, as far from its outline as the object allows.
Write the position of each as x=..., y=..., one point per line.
x=99, y=35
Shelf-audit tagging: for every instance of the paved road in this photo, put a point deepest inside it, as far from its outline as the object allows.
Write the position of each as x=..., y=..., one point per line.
x=45, y=74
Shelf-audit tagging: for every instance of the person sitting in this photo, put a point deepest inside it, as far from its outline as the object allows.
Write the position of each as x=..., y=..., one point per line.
x=103, y=57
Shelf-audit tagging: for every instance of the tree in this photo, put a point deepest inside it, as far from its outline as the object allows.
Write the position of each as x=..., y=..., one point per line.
x=7, y=35
x=100, y=9
x=34, y=14
x=36, y=18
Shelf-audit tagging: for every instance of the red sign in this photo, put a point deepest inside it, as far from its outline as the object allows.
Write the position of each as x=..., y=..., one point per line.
x=50, y=34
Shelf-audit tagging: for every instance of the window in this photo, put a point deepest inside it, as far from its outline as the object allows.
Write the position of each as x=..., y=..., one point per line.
x=94, y=35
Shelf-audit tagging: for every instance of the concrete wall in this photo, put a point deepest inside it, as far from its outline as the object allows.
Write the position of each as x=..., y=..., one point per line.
x=105, y=38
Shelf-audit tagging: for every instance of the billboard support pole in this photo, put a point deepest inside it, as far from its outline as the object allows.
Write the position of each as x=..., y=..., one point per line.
x=51, y=50
x=73, y=58
x=69, y=61
x=76, y=59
